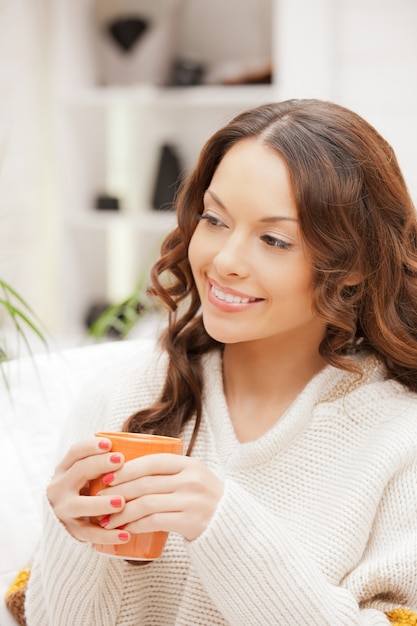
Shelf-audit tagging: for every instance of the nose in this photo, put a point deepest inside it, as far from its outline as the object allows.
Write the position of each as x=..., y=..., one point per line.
x=233, y=257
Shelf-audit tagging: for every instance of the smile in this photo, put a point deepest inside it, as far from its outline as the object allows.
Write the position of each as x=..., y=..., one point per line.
x=229, y=297
x=229, y=300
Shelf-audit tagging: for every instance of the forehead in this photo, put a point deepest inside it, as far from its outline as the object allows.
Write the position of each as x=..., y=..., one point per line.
x=253, y=174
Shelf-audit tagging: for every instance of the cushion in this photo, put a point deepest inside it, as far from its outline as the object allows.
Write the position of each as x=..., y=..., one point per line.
x=32, y=413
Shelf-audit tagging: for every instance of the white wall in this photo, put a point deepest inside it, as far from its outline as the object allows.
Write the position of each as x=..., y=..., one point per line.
x=360, y=53
x=28, y=216
x=377, y=63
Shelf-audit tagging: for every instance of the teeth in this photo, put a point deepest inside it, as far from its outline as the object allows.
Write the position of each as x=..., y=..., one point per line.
x=228, y=297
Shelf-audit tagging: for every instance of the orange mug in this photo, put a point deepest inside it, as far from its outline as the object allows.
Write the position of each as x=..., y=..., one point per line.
x=141, y=546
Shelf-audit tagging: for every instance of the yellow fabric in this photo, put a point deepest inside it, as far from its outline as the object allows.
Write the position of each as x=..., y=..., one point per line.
x=15, y=596
x=20, y=581
x=402, y=617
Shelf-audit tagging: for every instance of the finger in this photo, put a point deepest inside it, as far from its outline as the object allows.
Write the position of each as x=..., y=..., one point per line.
x=147, y=506
x=163, y=513
x=150, y=465
x=90, y=533
x=82, y=450
x=92, y=506
x=65, y=485
x=143, y=486
x=172, y=521
x=169, y=521
x=92, y=467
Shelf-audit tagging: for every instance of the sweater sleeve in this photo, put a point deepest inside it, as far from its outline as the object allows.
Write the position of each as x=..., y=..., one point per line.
x=70, y=582
x=250, y=555
x=64, y=568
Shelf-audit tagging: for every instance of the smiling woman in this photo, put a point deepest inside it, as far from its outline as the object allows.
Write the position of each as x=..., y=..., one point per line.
x=249, y=264
x=289, y=368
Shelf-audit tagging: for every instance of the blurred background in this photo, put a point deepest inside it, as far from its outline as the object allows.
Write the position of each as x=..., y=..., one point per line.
x=105, y=105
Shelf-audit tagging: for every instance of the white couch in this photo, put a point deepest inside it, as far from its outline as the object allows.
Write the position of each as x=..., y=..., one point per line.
x=32, y=413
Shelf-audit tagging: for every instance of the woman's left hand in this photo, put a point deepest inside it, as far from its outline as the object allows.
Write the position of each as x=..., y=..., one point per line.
x=166, y=492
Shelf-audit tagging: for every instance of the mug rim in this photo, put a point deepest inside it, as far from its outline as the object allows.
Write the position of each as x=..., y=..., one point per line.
x=138, y=436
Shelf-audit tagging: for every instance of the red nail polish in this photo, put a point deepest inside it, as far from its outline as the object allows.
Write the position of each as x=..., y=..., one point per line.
x=108, y=478
x=103, y=522
x=122, y=527
x=104, y=445
x=115, y=458
x=123, y=536
x=116, y=502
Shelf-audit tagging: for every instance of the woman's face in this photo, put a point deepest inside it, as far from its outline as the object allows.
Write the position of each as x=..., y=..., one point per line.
x=251, y=269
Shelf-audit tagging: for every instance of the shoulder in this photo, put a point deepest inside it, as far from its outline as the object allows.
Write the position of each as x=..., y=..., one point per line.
x=370, y=383
x=372, y=403
x=375, y=388
x=136, y=378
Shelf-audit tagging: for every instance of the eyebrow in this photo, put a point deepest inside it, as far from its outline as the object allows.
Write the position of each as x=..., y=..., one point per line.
x=270, y=219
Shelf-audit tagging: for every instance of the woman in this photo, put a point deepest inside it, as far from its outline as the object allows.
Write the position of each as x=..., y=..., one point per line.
x=289, y=366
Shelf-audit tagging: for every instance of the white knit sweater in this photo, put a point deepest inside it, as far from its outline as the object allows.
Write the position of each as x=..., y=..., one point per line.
x=317, y=525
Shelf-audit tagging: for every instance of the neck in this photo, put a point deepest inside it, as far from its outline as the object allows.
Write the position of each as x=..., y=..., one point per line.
x=261, y=381
x=270, y=368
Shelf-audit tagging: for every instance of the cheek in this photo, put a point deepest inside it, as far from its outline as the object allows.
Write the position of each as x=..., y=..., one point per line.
x=293, y=284
x=193, y=253
x=196, y=259
x=198, y=252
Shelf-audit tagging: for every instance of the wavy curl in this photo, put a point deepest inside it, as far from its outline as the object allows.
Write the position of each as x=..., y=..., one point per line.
x=359, y=227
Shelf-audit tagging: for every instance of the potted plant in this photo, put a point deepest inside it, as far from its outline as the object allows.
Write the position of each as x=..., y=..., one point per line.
x=18, y=316
x=116, y=321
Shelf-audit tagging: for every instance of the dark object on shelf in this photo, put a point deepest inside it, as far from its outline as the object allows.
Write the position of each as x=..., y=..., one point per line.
x=104, y=202
x=167, y=180
x=137, y=40
x=186, y=73
x=127, y=31
x=251, y=76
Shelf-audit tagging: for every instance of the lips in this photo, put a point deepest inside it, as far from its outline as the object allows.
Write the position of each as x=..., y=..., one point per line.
x=230, y=296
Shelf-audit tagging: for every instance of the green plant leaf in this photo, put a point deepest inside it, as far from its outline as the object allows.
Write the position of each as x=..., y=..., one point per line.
x=120, y=318
x=22, y=317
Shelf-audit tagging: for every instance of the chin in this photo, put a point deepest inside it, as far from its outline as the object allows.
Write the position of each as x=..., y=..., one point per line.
x=224, y=335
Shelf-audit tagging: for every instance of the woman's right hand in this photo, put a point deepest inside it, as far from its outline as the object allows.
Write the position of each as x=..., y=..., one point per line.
x=68, y=489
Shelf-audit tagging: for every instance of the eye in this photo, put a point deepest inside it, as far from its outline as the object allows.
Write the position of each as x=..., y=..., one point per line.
x=275, y=242
x=210, y=219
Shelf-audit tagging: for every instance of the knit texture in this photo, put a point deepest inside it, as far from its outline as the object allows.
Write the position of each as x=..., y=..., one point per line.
x=317, y=524
x=402, y=617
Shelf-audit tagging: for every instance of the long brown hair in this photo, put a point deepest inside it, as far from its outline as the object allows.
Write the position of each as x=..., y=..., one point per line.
x=359, y=226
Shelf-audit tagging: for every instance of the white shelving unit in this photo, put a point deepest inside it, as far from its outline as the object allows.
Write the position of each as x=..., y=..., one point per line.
x=109, y=136
x=74, y=137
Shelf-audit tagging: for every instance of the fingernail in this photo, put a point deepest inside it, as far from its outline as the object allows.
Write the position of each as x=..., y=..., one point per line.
x=122, y=527
x=123, y=536
x=104, y=445
x=116, y=502
x=103, y=522
x=115, y=458
x=108, y=478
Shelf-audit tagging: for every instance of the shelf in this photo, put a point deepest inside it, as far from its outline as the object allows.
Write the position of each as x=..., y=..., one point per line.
x=145, y=95
x=111, y=128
